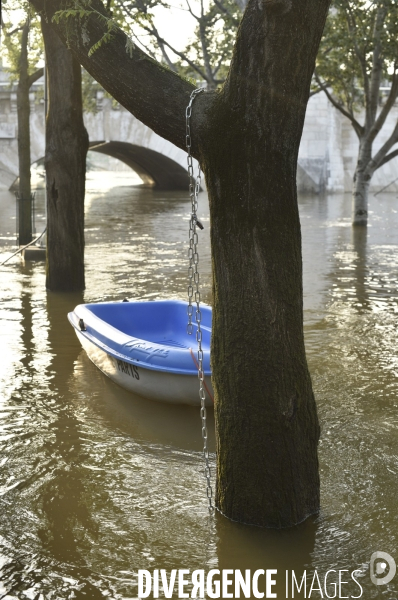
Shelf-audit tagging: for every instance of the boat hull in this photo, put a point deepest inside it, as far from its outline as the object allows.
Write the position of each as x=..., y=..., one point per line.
x=155, y=383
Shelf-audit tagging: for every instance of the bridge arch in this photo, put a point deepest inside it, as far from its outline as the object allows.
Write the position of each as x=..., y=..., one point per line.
x=114, y=132
x=154, y=168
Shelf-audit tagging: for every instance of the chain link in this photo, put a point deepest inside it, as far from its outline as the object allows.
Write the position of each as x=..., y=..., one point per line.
x=194, y=290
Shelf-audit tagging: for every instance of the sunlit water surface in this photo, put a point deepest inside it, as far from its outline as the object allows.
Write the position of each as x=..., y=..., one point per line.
x=96, y=483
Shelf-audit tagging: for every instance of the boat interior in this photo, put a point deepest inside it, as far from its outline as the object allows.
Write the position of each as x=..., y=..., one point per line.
x=160, y=322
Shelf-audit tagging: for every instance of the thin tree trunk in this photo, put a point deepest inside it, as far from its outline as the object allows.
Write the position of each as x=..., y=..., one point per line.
x=361, y=184
x=360, y=192
x=23, y=115
x=65, y=162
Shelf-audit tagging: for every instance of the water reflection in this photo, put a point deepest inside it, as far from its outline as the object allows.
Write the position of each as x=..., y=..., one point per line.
x=140, y=418
x=63, y=497
x=359, y=241
x=96, y=483
x=242, y=547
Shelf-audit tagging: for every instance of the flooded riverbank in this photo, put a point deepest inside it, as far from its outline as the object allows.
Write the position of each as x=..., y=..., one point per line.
x=96, y=484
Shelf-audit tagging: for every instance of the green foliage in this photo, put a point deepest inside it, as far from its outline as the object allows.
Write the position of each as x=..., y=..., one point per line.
x=218, y=36
x=13, y=22
x=105, y=38
x=82, y=11
x=345, y=61
x=206, y=57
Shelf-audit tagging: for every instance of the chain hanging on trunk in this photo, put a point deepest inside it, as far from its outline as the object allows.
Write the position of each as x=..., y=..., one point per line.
x=194, y=295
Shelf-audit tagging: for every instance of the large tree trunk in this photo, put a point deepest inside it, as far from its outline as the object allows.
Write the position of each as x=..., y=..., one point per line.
x=361, y=184
x=246, y=137
x=65, y=162
x=23, y=115
x=266, y=420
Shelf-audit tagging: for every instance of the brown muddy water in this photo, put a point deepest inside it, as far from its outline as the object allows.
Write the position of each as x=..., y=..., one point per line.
x=96, y=484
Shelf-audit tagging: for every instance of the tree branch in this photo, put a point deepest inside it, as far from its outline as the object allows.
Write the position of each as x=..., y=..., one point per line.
x=356, y=125
x=392, y=96
x=161, y=45
x=377, y=64
x=35, y=76
x=219, y=65
x=167, y=58
x=320, y=89
x=183, y=56
x=23, y=58
x=379, y=157
x=352, y=27
x=150, y=91
x=191, y=11
x=206, y=59
x=226, y=12
x=10, y=33
x=387, y=158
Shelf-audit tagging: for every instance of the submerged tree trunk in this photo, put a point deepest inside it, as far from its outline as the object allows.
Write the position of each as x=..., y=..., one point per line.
x=360, y=192
x=65, y=162
x=266, y=419
x=247, y=138
x=361, y=184
x=23, y=115
x=25, y=82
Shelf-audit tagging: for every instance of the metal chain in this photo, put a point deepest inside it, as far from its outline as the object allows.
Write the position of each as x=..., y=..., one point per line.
x=194, y=296
x=193, y=194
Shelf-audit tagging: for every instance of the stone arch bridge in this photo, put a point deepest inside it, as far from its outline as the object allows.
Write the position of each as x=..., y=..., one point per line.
x=327, y=156
x=112, y=131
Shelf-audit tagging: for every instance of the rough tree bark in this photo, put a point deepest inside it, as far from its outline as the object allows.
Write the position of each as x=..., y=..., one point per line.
x=246, y=137
x=25, y=82
x=65, y=163
x=266, y=418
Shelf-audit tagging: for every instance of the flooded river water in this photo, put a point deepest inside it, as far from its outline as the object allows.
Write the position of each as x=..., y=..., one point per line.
x=96, y=483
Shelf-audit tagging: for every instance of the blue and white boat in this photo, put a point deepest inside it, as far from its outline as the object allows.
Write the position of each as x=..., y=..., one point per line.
x=145, y=347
